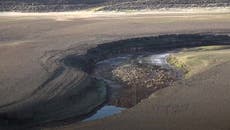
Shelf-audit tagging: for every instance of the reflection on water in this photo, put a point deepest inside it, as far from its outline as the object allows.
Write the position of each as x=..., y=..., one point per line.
x=105, y=111
x=122, y=98
x=114, y=61
x=155, y=59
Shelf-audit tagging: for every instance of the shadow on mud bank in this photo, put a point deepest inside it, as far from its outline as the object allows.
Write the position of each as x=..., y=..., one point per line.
x=79, y=100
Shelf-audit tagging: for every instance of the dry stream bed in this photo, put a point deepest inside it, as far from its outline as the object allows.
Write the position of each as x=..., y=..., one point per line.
x=131, y=78
x=116, y=76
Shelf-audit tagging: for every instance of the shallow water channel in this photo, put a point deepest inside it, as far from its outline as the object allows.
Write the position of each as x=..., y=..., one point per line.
x=103, y=71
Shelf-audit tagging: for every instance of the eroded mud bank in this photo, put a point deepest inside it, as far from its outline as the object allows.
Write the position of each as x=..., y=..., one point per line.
x=72, y=90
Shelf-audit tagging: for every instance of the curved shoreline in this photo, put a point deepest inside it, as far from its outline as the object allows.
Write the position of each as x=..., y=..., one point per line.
x=76, y=64
x=163, y=43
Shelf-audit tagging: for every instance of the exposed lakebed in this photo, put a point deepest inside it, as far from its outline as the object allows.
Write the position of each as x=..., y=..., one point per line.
x=88, y=82
x=123, y=75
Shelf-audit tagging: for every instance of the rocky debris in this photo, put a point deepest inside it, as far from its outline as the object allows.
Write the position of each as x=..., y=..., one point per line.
x=139, y=82
x=143, y=75
x=165, y=4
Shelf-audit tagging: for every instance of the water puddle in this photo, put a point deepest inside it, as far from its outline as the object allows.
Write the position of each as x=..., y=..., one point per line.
x=105, y=111
x=157, y=59
x=119, y=97
x=114, y=61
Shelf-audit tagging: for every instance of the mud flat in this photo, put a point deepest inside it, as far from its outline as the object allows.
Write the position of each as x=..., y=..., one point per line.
x=132, y=46
x=170, y=107
x=48, y=62
x=88, y=61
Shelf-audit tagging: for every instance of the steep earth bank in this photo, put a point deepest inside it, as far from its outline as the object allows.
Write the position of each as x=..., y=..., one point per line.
x=73, y=101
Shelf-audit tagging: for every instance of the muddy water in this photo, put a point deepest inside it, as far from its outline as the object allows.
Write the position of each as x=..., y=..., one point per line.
x=118, y=102
x=105, y=111
x=157, y=59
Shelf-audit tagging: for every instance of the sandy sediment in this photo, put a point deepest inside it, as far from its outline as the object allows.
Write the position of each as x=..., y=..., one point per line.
x=31, y=72
x=190, y=104
x=65, y=85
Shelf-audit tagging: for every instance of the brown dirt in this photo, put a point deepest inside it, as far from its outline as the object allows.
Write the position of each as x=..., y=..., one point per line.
x=25, y=40
x=200, y=103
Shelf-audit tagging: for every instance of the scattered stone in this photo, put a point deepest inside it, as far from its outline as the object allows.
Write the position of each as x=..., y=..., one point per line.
x=145, y=76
